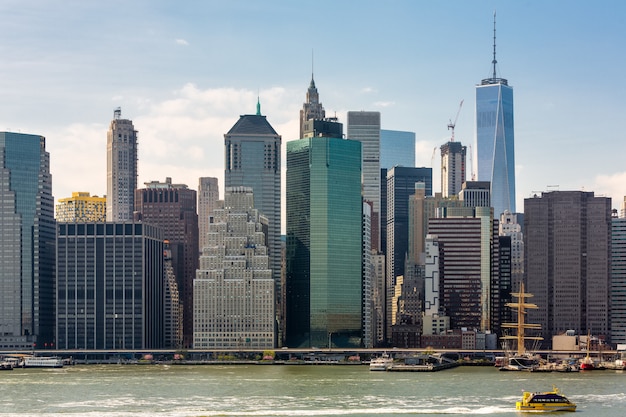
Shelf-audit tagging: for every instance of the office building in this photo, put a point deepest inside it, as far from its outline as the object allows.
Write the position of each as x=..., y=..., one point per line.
x=452, y=168
x=173, y=314
x=172, y=207
x=567, y=262
x=81, y=207
x=324, y=242
x=121, y=169
x=27, y=243
x=495, y=140
x=110, y=288
x=618, y=280
x=397, y=147
x=367, y=278
x=469, y=267
x=476, y=194
x=208, y=195
x=364, y=126
x=253, y=159
x=511, y=225
x=312, y=109
x=400, y=186
x=234, y=288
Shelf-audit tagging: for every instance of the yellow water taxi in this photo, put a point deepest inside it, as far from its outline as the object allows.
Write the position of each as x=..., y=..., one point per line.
x=545, y=401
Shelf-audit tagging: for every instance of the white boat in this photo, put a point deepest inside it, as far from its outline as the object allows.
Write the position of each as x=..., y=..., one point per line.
x=381, y=363
x=42, y=362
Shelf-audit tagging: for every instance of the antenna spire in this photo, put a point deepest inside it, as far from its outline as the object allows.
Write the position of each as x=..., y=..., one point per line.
x=258, y=104
x=494, y=62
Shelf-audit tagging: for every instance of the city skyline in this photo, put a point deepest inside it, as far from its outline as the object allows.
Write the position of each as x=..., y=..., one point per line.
x=182, y=74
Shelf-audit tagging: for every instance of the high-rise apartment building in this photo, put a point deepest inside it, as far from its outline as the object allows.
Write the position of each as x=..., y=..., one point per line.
x=27, y=242
x=400, y=186
x=81, y=207
x=364, y=126
x=397, y=148
x=567, y=251
x=234, y=288
x=110, y=288
x=253, y=159
x=324, y=242
x=121, y=169
x=208, y=195
x=495, y=141
x=172, y=207
x=312, y=109
x=452, y=168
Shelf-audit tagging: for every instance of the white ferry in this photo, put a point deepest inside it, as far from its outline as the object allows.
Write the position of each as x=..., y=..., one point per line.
x=42, y=362
x=381, y=363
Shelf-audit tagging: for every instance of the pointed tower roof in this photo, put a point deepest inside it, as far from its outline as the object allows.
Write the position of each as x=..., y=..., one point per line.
x=252, y=124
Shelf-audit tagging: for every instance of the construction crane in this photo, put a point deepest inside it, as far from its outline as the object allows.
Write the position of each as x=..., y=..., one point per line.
x=432, y=158
x=452, y=125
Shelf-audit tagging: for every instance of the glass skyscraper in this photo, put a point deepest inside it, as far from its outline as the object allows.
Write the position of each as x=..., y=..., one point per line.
x=324, y=238
x=397, y=148
x=27, y=243
x=495, y=141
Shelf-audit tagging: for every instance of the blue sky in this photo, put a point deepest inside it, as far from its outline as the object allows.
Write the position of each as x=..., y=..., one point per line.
x=184, y=72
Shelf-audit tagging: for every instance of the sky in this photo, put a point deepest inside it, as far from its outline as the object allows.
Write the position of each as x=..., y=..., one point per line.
x=184, y=71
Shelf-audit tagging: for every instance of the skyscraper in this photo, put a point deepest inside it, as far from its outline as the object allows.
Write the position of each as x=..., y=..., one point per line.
x=567, y=249
x=172, y=207
x=121, y=168
x=618, y=280
x=364, y=126
x=324, y=242
x=312, y=108
x=208, y=195
x=81, y=207
x=397, y=148
x=234, y=289
x=452, y=168
x=253, y=159
x=27, y=242
x=110, y=290
x=469, y=266
x=495, y=141
x=400, y=185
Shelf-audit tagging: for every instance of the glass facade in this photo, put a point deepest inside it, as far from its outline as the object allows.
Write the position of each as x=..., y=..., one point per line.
x=324, y=238
x=495, y=139
x=618, y=280
x=28, y=242
x=397, y=148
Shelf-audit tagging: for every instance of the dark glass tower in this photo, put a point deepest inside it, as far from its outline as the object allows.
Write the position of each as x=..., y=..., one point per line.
x=495, y=140
x=27, y=242
x=324, y=242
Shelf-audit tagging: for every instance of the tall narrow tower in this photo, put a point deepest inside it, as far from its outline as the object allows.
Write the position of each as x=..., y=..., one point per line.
x=121, y=168
x=364, y=126
x=312, y=109
x=495, y=143
x=252, y=159
x=27, y=242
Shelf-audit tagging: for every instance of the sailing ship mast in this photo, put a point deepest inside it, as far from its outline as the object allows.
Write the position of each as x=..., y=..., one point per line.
x=521, y=305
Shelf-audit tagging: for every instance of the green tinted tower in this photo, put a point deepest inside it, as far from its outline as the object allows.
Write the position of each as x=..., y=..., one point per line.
x=324, y=237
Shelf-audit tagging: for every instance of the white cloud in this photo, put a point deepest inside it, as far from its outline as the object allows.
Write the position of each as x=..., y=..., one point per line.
x=384, y=103
x=613, y=185
x=181, y=137
x=182, y=42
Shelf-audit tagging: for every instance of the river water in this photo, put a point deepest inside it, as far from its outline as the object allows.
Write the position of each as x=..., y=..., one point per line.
x=292, y=390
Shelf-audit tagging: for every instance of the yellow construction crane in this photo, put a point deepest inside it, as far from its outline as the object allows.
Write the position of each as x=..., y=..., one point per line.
x=452, y=125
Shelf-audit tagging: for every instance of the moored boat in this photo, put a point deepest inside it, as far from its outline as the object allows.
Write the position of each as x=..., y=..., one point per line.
x=381, y=363
x=545, y=401
x=42, y=362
